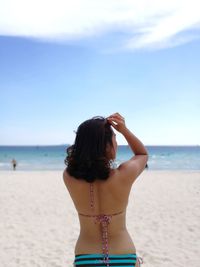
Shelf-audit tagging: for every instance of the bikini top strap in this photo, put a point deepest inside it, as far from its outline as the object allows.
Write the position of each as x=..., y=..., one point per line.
x=92, y=196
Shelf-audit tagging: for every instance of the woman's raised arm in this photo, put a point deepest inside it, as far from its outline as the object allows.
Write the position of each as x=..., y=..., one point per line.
x=133, y=167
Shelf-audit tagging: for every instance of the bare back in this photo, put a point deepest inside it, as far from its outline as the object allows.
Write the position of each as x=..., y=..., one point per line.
x=110, y=196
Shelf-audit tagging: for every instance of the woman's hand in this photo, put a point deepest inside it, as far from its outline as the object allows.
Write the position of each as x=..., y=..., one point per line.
x=117, y=121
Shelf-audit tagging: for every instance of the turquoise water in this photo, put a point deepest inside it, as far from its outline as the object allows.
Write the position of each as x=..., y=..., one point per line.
x=52, y=157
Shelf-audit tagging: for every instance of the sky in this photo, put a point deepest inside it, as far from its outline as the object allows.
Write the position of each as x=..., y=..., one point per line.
x=62, y=63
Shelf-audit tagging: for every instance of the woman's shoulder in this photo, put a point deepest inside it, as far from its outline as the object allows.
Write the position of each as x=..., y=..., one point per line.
x=129, y=170
x=70, y=180
x=66, y=177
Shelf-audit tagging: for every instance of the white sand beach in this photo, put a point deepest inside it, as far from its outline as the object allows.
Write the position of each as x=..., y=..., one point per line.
x=39, y=225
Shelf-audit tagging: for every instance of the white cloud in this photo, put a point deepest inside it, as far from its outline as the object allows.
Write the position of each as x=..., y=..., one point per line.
x=149, y=24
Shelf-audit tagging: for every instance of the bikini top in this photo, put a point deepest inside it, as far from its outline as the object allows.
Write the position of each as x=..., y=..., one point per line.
x=104, y=220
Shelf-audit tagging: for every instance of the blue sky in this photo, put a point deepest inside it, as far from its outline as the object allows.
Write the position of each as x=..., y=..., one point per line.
x=52, y=81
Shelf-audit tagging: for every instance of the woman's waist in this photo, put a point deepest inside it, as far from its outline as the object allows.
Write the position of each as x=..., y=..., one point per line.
x=117, y=244
x=96, y=236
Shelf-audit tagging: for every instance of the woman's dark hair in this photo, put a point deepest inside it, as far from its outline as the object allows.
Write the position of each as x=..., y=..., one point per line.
x=88, y=159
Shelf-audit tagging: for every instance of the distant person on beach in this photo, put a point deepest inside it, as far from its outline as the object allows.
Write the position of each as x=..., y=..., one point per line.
x=14, y=164
x=100, y=192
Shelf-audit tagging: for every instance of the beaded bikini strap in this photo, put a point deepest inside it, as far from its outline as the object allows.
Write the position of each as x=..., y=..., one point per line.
x=104, y=220
x=92, y=196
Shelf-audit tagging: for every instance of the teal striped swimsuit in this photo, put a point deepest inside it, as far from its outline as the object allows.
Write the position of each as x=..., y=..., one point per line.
x=115, y=260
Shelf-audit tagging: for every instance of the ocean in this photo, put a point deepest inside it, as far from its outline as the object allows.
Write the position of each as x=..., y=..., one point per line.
x=52, y=157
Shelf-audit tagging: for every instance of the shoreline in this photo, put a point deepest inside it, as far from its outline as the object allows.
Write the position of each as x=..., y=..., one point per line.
x=4, y=172
x=61, y=170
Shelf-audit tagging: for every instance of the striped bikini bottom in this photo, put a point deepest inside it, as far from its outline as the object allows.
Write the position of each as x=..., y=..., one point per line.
x=115, y=260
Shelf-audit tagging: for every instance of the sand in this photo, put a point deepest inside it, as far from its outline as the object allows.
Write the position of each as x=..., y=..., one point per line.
x=39, y=225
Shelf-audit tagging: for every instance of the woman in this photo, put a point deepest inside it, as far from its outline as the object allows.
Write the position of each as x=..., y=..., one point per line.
x=100, y=192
